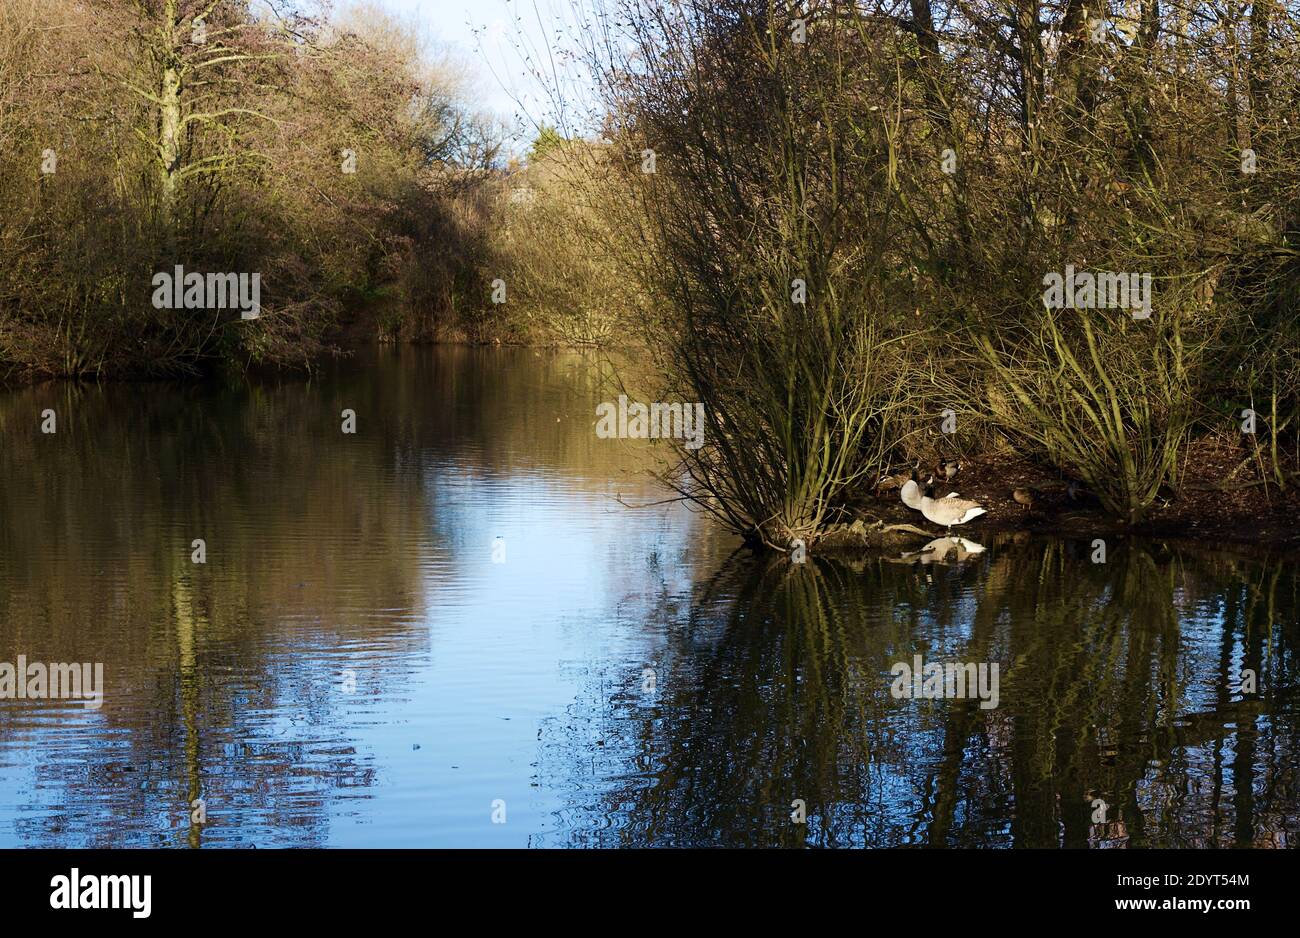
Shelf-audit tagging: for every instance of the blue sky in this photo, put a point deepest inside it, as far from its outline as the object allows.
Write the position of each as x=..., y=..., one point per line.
x=482, y=36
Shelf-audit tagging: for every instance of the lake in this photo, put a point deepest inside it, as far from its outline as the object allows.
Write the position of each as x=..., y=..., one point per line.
x=474, y=623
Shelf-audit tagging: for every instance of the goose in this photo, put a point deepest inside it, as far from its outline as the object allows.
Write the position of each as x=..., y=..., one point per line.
x=949, y=468
x=938, y=550
x=947, y=511
x=913, y=496
x=910, y=494
x=965, y=548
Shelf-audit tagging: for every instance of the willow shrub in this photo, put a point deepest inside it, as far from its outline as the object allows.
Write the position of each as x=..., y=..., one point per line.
x=1109, y=401
x=762, y=172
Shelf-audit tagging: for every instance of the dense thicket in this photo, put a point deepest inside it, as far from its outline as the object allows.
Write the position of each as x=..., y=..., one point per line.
x=325, y=156
x=854, y=206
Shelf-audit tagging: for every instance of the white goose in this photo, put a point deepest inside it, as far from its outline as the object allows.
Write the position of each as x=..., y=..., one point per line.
x=941, y=548
x=946, y=511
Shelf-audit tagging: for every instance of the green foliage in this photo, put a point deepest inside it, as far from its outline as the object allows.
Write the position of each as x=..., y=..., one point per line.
x=547, y=141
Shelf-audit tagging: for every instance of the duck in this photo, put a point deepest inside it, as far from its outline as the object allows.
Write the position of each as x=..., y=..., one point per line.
x=1024, y=496
x=889, y=482
x=947, y=511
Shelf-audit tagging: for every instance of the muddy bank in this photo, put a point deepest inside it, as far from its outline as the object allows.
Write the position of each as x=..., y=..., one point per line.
x=1217, y=501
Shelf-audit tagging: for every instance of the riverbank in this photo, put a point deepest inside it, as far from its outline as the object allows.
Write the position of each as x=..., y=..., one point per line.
x=1220, y=499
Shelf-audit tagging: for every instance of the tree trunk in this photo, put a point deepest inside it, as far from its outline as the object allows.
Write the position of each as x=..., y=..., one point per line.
x=169, y=129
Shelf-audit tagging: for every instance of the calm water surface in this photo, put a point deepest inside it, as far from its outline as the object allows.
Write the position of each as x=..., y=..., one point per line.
x=352, y=668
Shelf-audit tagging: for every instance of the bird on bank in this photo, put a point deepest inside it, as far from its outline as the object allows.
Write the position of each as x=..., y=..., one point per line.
x=948, y=468
x=888, y=483
x=1024, y=497
x=947, y=511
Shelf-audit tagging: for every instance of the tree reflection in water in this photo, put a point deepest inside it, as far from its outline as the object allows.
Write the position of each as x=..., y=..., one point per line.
x=1120, y=721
